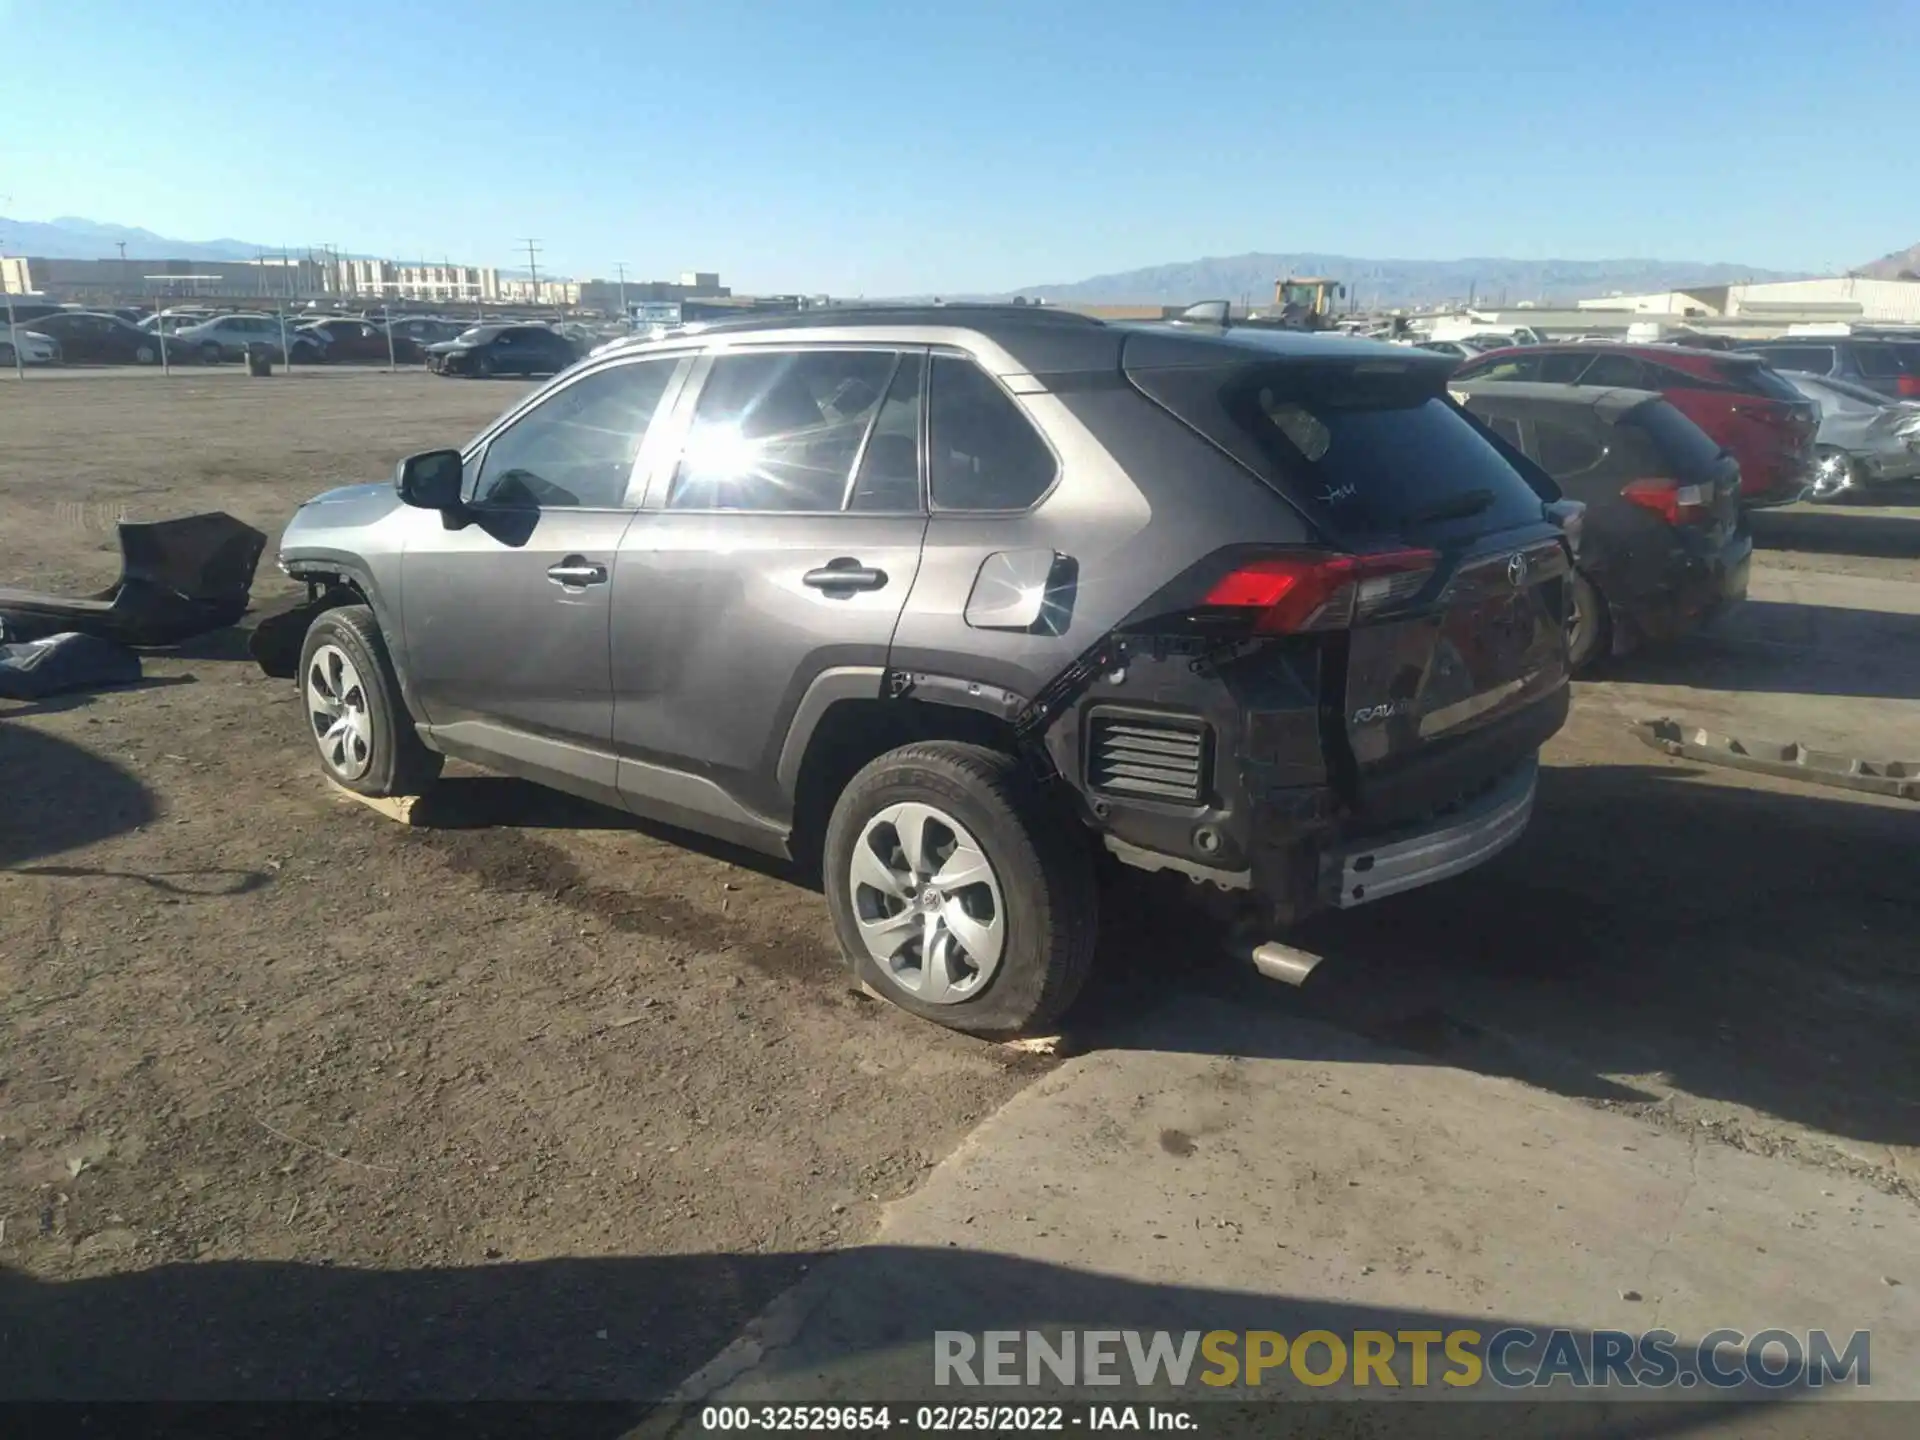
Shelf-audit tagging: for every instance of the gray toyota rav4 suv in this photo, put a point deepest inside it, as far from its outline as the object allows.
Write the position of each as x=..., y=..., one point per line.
x=944, y=600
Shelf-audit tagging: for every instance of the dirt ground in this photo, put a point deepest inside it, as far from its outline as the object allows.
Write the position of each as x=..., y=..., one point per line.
x=251, y=1026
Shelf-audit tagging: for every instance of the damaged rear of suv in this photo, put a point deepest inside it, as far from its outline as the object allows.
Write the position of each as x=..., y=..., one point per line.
x=944, y=600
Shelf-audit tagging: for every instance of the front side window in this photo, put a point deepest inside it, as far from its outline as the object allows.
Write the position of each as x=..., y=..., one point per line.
x=985, y=454
x=576, y=449
x=780, y=432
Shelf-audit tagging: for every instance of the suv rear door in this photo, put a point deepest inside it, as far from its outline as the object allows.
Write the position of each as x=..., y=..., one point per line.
x=1456, y=670
x=782, y=534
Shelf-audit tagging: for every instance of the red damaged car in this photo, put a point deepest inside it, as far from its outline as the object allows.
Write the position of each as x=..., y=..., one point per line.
x=1766, y=424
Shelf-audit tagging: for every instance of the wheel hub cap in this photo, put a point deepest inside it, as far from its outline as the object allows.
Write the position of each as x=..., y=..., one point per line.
x=928, y=903
x=1830, y=475
x=338, y=711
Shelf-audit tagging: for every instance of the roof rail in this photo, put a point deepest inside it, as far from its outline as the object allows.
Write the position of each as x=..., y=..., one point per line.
x=904, y=313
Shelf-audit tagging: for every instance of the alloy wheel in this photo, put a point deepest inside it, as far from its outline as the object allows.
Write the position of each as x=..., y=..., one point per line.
x=1832, y=474
x=337, y=709
x=928, y=903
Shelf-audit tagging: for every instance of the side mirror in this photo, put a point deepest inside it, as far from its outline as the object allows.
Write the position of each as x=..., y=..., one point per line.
x=430, y=481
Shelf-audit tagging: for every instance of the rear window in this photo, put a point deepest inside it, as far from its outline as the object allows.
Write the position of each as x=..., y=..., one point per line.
x=1364, y=456
x=1680, y=443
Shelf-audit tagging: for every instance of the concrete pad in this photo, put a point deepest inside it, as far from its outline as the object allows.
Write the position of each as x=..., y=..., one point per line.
x=1832, y=661
x=1233, y=1173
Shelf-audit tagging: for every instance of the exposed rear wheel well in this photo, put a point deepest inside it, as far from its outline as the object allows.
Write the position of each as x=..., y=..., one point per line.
x=852, y=733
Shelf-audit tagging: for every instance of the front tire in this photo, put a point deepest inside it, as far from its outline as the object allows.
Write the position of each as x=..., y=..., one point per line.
x=958, y=891
x=481, y=368
x=354, y=711
x=211, y=354
x=146, y=355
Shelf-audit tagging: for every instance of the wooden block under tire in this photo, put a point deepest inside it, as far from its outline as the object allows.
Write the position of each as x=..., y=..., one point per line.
x=406, y=809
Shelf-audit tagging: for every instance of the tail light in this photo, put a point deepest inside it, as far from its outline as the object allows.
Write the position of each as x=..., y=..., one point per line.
x=1673, y=502
x=1312, y=590
x=1909, y=385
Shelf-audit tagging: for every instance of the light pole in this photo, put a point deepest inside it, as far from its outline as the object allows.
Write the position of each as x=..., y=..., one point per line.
x=13, y=331
x=621, y=267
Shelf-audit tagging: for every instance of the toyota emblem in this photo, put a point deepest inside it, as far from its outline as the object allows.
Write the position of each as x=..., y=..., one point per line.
x=1517, y=570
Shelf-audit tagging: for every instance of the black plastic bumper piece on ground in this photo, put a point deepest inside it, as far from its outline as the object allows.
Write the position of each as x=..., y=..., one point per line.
x=178, y=578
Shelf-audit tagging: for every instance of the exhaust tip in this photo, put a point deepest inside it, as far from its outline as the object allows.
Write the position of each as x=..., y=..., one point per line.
x=1284, y=963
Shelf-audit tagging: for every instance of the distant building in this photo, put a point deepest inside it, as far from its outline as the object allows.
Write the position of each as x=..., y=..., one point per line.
x=606, y=295
x=268, y=277
x=444, y=283
x=1836, y=297
x=544, y=291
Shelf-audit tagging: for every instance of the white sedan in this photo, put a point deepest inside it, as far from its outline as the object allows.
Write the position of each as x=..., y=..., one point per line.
x=35, y=348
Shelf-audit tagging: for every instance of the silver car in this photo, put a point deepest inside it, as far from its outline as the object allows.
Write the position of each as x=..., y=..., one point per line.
x=944, y=601
x=229, y=337
x=1864, y=438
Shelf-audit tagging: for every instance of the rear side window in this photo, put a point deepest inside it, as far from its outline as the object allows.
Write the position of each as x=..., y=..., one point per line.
x=1366, y=454
x=1683, y=445
x=1877, y=362
x=1616, y=370
x=780, y=432
x=986, y=455
x=1564, y=451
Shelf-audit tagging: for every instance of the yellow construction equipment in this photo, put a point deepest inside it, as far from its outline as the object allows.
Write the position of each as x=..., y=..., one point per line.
x=1307, y=301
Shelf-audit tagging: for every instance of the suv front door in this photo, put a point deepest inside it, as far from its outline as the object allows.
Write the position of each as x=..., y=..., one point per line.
x=781, y=536
x=505, y=617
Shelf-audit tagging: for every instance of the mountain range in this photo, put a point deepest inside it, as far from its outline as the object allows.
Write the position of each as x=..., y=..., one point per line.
x=1370, y=283
x=70, y=237
x=1392, y=283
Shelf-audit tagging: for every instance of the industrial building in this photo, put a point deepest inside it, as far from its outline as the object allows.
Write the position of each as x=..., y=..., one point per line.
x=1838, y=297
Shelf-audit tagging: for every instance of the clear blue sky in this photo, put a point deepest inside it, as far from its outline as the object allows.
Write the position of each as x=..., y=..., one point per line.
x=891, y=146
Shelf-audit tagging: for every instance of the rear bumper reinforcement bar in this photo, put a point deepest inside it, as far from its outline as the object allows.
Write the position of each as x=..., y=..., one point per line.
x=1354, y=874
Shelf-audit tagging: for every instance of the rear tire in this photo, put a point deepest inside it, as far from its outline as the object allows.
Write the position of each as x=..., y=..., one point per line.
x=211, y=354
x=977, y=813
x=1588, y=626
x=354, y=712
x=145, y=355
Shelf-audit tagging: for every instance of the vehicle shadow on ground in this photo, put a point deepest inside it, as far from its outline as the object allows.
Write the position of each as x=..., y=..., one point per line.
x=57, y=796
x=1835, y=531
x=626, y=1330
x=1751, y=945
x=1782, y=647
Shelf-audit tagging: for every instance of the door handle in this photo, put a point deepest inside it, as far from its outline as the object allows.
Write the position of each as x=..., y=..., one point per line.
x=845, y=574
x=576, y=572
